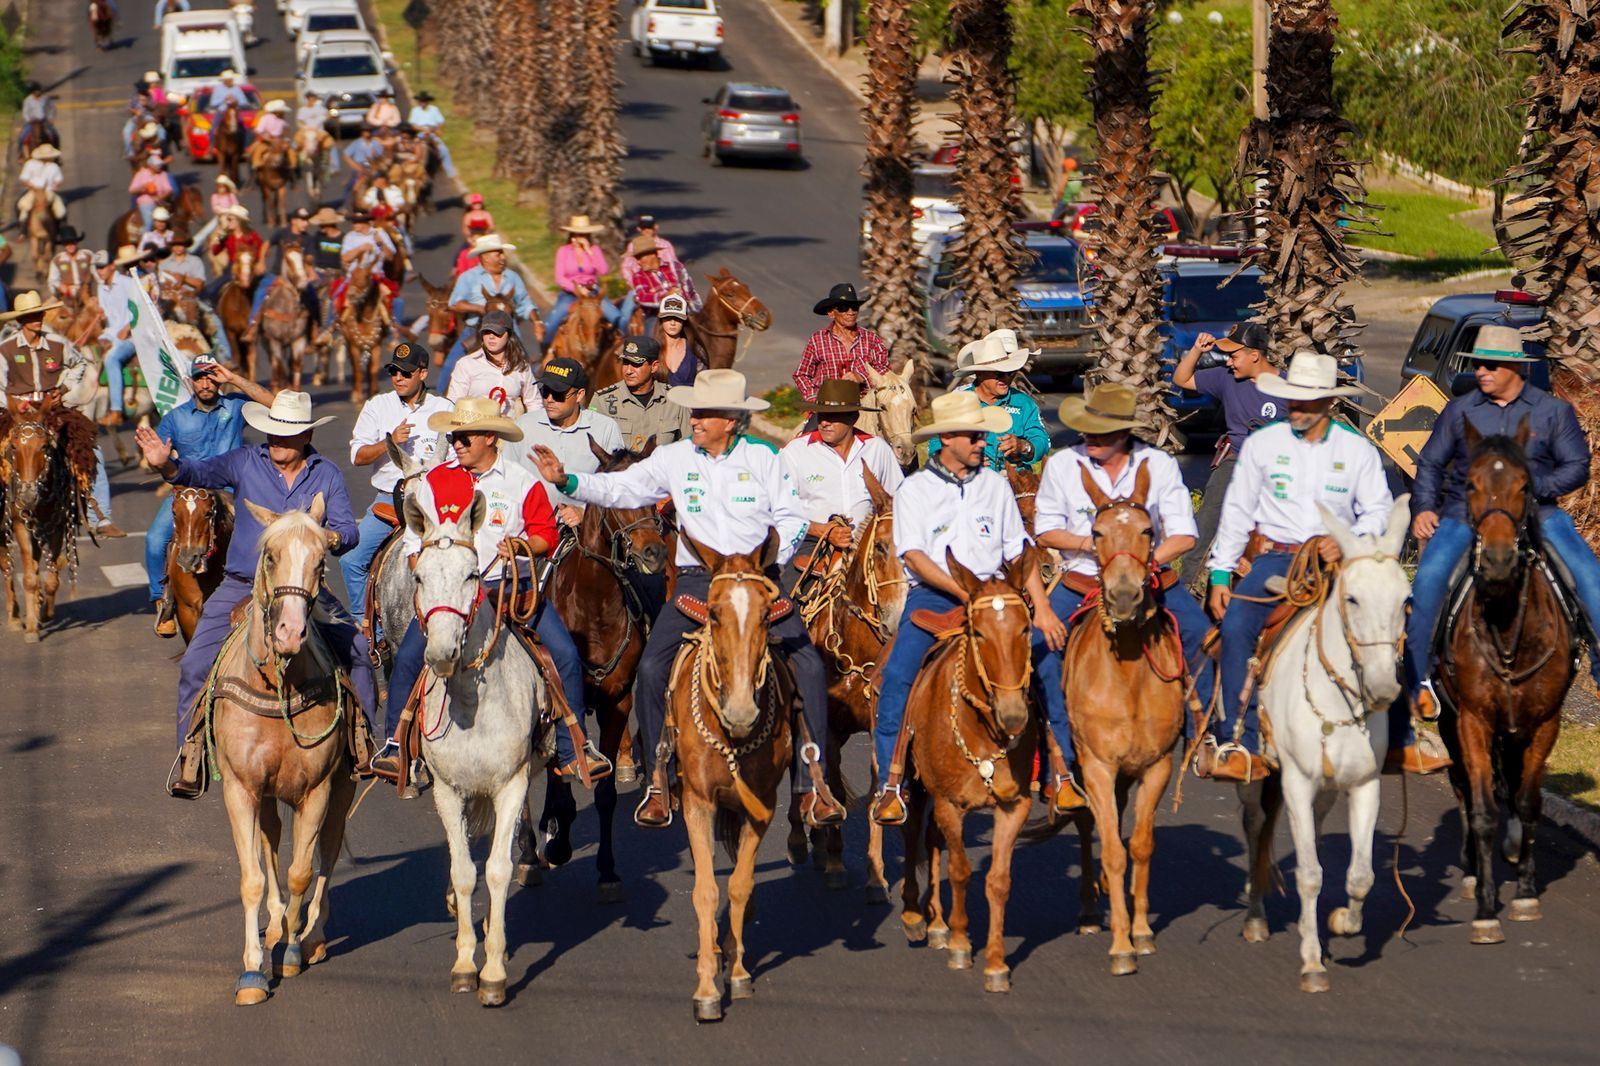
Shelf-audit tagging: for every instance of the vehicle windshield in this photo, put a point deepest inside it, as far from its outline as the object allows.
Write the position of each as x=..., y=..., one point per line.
x=685, y=5
x=202, y=102
x=1057, y=264
x=1198, y=299
x=360, y=65
x=935, y=186
x=324, y=23
x=200, y=66
x=760, y=102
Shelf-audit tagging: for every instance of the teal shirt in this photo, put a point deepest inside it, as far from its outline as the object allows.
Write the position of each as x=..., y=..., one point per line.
x=1026, y=422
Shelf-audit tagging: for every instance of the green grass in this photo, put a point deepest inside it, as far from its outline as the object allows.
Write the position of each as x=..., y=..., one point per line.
x=1423, y=226
x=785, y=410
x=1574, y=767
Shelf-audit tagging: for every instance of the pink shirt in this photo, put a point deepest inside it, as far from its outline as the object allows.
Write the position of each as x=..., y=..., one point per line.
x=474, y=375
x=270, y=125
x=221, y=201
x=573, y=269
x=140, y=185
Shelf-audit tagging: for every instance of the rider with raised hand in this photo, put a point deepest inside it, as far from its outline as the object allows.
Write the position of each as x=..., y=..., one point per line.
x=656, y=279
x=38, y=111
x=580, y=264
x=843, y=348
x=731, y=492
x=428, y=121
x=1558, y=463
x=489, y=277
x=41, y=176
x=518, y=510
x=992, y=362
x=953, y=504
x=638, y=403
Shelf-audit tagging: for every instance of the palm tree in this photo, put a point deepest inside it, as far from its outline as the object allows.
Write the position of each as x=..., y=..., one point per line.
x=562, y=109
x=987, y=255
x=472, y=66
x=1126, y=284
x=889, y=256
x=600, y=147
x=519, y=88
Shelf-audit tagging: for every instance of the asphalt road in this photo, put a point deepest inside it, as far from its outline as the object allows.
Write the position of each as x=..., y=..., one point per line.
x=121, y=910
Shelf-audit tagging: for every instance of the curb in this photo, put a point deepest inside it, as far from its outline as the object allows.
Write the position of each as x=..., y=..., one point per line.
x=772, y=9
x=1579, y=821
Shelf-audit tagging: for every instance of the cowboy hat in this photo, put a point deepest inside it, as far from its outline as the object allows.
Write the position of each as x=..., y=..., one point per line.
x=150, y=76
x=491, y=242
x=581, y=224
x=645, y=246
x=674, y=306
x=475, y=414
x=326, y=216
x=716, y=390
x=1311, y=376
x=129, y=254
x=992, y=353
x=1503, y=344
x=276, y=106
x=223, y=179
x=229, y=74
x=67, y=235
x=837, y=396
x=45, y=152
x=289, y=414
x=238, y=211
x=960, y=412
x=841, y=297
x=28, y=303
x=425, y=97
x=1106, y=408
x=161, y=214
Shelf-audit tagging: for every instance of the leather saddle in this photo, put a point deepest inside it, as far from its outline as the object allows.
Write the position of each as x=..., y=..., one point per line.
x=385, y=511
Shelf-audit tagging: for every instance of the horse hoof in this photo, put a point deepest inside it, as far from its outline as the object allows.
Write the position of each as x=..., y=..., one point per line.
x=960, y=959
x=1525, y=910
x=316, y=953
x=1089, y=924
x=1256, y=931
x=798, y=854
x=1487, y=931
x=611, y=892
x=529, y=875
x=836, y=880
x=1144, y=945
x=463, y=982
x=250, y=989
x=916, y=932
x=30, y=638
x=938, y=937
x=1123, y=965
x=293, y=961
x=708, y=1009
x=997, y=982
x=741, y=987
x=1316, y=981
x=877, y=894
x=1343, y=922
x=409, y=792
x=1469, y=888
x=557, y=851
x=492, y=993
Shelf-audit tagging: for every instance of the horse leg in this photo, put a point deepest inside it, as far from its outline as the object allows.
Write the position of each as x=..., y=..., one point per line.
x=1260, y=802
x=1100, y=782
x=834, y=874
x=1089, y=920
x=560, y=808
x=309, y=818
x=463, y=879
x=1008, y=822
x=50, y=582
x=797, y=843
x=938, y=931
x=271, y=837
x=697, y=818
x=1476, y=742
x=740, y=884
x=877, y=883
x=13, y=617
x=508, y=804
x=1299, y=796
x=1529, y=802
x=244, y=819
x=1141, y=846
x=28, y=556
x=949, y=817
x=1363, y=803
x=314, y=942
x=613, y=722
x=913, y=909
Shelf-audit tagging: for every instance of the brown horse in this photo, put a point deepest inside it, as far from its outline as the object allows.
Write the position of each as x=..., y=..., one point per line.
x=585, y=335
x=202, y=528
x=1125, y=702
x=972, y=744
x=102, y=17
x=45, y=506
x=730, y=761
x=283, y=336
x=851, y=613
x=274, y=167
x=40, y=226
x=227, y=141
x=442, y=322
x=1504, y=673
x=363, y=323
x=729, y=306
x=233, y=309
x=292, y=752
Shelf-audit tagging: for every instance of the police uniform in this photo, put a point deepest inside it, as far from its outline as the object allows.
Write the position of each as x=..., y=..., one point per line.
x=642, y=420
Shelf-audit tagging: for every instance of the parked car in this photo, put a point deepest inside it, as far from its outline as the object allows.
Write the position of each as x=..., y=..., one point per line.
x=682, y=29
x=196, y=47
x=348, y=71
x=754, y=121
x=933, y=204
x=1080, y=224
x=1450, y=328
x=295, y=11
x=197, y=118
x=321, y=20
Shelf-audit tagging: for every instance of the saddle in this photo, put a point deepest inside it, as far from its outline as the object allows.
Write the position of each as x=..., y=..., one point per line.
x=694, y=608
x=385, y=512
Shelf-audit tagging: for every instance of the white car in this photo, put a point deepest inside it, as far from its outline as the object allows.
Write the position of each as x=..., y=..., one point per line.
x=684, y=29
x=294, y=11
x=196, y=47
x=933, y=204
x=348, y=71
x=324, y=20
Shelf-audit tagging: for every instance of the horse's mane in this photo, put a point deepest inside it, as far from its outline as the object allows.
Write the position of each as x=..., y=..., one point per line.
x=289, y=521
x=1501, y=446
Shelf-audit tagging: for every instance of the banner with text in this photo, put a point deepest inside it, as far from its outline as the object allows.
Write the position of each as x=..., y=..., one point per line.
x=165, y=368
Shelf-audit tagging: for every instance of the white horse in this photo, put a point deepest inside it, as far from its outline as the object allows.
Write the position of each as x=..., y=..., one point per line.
x=1328, y=697
x=896, y=416
x=477, y=727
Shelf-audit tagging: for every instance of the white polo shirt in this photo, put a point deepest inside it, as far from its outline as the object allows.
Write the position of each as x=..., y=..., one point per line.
x=514, y=498
x=830, y=485
x=1280, y=478
x=977, y=519
x=571, y=445
x=727, y=502
x=1064, y=504
x=381, y=416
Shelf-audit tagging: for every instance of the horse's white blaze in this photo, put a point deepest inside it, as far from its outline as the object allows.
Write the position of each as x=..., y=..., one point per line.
x=741, y=604
x=192, y=504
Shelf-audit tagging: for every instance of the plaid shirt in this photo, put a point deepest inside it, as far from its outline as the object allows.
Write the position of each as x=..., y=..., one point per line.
x=826, y=359
x=650, y=287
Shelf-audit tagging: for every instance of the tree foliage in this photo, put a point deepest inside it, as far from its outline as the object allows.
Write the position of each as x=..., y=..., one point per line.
x=1204, y=105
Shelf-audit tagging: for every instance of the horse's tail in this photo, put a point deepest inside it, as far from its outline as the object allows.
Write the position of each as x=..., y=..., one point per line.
x=728, y=824
x=480, y=816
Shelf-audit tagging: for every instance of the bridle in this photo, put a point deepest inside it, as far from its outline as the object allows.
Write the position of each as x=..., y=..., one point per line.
x=213, y=518
x=1501, y=657
x=706, y=681
x=741, y=313
x=982, y=701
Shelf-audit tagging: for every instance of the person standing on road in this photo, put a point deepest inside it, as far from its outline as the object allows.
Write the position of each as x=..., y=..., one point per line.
x=843, y=348
x=580, y=264
x=638, y=403
x=473, y=289
x=992, y=362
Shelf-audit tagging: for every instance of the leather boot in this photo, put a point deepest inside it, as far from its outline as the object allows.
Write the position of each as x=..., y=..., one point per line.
x=1427, y=703
x=1065, y=795
x=1233, y=763
x=1412, y=759
x=889, y=806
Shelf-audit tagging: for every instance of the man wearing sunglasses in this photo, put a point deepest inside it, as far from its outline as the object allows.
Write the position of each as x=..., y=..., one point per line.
x=400, y=416
x=1558, y=462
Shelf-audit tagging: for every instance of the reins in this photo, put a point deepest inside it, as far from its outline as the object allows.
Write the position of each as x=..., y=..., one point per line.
x=1501, y=658
x=960, y=691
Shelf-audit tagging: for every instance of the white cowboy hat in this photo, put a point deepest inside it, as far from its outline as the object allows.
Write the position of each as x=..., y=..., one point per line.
x=1311, y=376
x=229, y=74
x=155, y=159
x=129, y=254
x=151, y=75
x=960, y=412
x=238, y=211
x=716, y=390
x=289, y=414
x=475, y=413
x=998, y=352
x=491, y=242
x=45, y=152
x=29, y=303
x=276, y=106
x=674, y=306
x=223, y=179
x=161, y=214
x=581, y=224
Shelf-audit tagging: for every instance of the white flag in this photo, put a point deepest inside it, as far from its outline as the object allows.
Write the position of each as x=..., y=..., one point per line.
x=165, y=368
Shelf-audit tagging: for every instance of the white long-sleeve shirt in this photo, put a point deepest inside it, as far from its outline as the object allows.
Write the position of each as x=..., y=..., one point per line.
x=114, y=300
x=727, y=502
x=41, y=174
x=1281, y=477
x=978, y=520
x=381, y=416
x=830, y=485
x=1064, y=504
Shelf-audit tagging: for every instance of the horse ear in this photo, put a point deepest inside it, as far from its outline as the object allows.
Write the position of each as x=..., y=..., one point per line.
x=765, y=556
x=261, y=514
x=598, y=452
x=1342, y=535
x=875, y=490
x=477, y=513
x=709, y=559
x=649, y=446
x=1141, y=483
x=407, y=465
x=416, y=516
x=1018, y=569
x=1096, y=495
x=874, y=378
x=1470, y=434
x=1524, y=433
x=1394, y=535
x=964, y=577
x=319, y=508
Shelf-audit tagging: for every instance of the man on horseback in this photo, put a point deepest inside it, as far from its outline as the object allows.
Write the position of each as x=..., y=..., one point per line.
x=1558, y=463
x=992, y=362
x=518, y=511
x=638, y=403
x=38, y=117
x=730, y=492
x=41, y=176
x=271, y=135
x=655, y=280
x=564, y=426
x=473, y=289
x=959, y=505
x=226, y=94
x=362, y=157
x=364, y=248
x=840, y=349
x=297, y=236
x=1285, y=469
x=384, y=114
x=71, y=269
x=428, y=121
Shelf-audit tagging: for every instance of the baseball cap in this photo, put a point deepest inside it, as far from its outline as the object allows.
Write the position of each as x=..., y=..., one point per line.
x=203, y=363
x=646, y=222
x=1246, y=335
x=562, y=375
x=496, y=322
x=638, y=350
x=408, y=356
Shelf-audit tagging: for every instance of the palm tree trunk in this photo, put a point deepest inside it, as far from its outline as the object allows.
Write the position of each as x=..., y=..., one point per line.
x=473, y=70
x=563, y=110
x=601, y=147
x=519, y=87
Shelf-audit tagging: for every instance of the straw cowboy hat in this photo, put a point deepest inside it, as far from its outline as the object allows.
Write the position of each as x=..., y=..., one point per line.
x=28, y=303
x=289, y=414
x=129, y=254
x=149, y=129
x=150, y=76
x=1106, y=409
x=227, y=182
x=839, y=397
x=238, y=211
x=645, y=246
x=960, y=412
x=1311, y=376
x=674, y=306
x=161, y=214
x=277, y=107
x=45, y=153
x=1502, y=344
x=326, y=216
x=581, y=224
x=229, y=75
x=841, y=297
x=491, y=242
x=716, y=390
x=475, y=414
x=997, y=352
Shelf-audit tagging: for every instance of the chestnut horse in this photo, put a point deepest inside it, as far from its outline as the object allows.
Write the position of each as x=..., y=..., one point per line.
x=363, y=323
x=274, y=170
x=1504, y=673
x=202, y=528
x=585, y=335
x=233, y=310
x=227, y=141
x=285, y=323
x=45, y=506
x=972, y=744
x=102, y=17
x=729, y=307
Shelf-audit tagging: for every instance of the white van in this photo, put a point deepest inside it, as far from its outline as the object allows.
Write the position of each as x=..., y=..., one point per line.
x=197, y=46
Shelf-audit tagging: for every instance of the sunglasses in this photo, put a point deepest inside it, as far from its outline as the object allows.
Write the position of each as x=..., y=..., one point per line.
x=1485, y=364
x=402, y=372
x=458, y=440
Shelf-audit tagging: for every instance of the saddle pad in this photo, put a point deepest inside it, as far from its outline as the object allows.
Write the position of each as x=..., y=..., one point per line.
x=940, y=623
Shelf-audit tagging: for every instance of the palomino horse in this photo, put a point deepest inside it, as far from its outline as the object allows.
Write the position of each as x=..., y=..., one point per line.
x=1505, y=671
x=202, y=529
x=477, y=715
x=852, y=613
x=896, y=414
x=972, y=744
x=1326, y=695
x=312, y=145
x=233, y=310
x=44, y=509
x=285, y=323
x=363, y=323
x=278, y=712
x=227, y=141
x=40, y=227
x=1125, y=700
x=275, y=167
x=729, y=307
x=585, y=335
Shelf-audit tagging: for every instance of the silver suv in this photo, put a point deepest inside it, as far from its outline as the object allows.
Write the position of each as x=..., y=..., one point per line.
x=751, y=121
x=348, y=71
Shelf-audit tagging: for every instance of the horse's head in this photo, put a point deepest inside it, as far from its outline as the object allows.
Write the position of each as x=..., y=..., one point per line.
x=875, y=569
x=738, y=604
x=294, y=550
x=1500, y=502
x=198, y=515
x=1371, y=594
x=446, y=575
x=1025, y=487
x=999, y=632
x=441, y=322
x=1124, y=541
x=728, y=290
x=633, y=534
x=892, y=395
x=243, y=267
x=28, y=459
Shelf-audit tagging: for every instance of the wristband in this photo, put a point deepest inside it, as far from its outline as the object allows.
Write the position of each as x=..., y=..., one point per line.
x=570, y=485
x=1221, y=578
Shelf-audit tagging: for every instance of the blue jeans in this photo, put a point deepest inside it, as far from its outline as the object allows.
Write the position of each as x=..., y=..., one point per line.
x=101, y=489
x=457, y=350
x=442, y=150
x=1429, y=588
x=156, y=540
x=357, y=562
x=1241, y=628
x=563, y=304
x=910, y=647
x=1563, y=539
x=119, y=354
x=263, y=287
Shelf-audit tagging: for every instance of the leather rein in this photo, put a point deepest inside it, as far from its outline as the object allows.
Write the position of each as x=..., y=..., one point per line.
x=1501, y=657
x=741, y=314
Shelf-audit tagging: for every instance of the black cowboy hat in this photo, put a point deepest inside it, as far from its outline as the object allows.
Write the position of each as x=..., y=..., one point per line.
x=425, y=97
x=837, y=396
x=841, y=297
x=67, y=235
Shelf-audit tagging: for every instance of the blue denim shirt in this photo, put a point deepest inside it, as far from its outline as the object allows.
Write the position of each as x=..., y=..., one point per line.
x=1026, y=422
x=198, y=434
x=249, y=472
x=1558, y=453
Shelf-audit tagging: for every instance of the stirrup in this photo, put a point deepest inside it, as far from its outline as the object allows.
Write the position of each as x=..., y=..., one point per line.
x=649, y=791
x=1426, y=704
x=881, y=799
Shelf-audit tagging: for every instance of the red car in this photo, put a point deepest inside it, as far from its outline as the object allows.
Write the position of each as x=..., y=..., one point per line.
x=196, y=117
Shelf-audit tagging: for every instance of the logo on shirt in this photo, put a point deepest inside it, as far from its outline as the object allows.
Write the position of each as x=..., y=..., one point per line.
x=985, y=526
x=1280, y=485
x=744, y=499
x=744, y=475
x=1282, y=460
x=497, y=512
x=812, y=479
x=1269, y=410
x=691, y=476
x=1338, y=466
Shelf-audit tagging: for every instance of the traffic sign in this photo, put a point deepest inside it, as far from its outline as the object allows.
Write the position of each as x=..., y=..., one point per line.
x=1405, y=423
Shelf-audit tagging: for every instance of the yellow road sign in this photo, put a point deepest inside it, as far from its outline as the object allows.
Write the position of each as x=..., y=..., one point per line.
x=1405, y=423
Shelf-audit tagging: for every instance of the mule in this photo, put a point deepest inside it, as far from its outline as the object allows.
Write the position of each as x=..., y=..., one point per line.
x=202, y=529
x=443, y=324
x=896, y=415
x=729, y=307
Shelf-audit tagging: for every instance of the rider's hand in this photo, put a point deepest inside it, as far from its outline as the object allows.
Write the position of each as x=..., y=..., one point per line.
x=1204, y=342
x=569, y=515
x=1425, y=524
x=840, y=535
x=1049, y=623
x=1217, y=600
x=550, y=467
x=155, y=450
x=506, y=551
x=1010, y=444
x=1328, y=550
x=401, y=434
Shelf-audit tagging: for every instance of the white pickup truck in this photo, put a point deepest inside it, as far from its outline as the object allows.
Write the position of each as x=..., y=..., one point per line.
x=683, y=29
